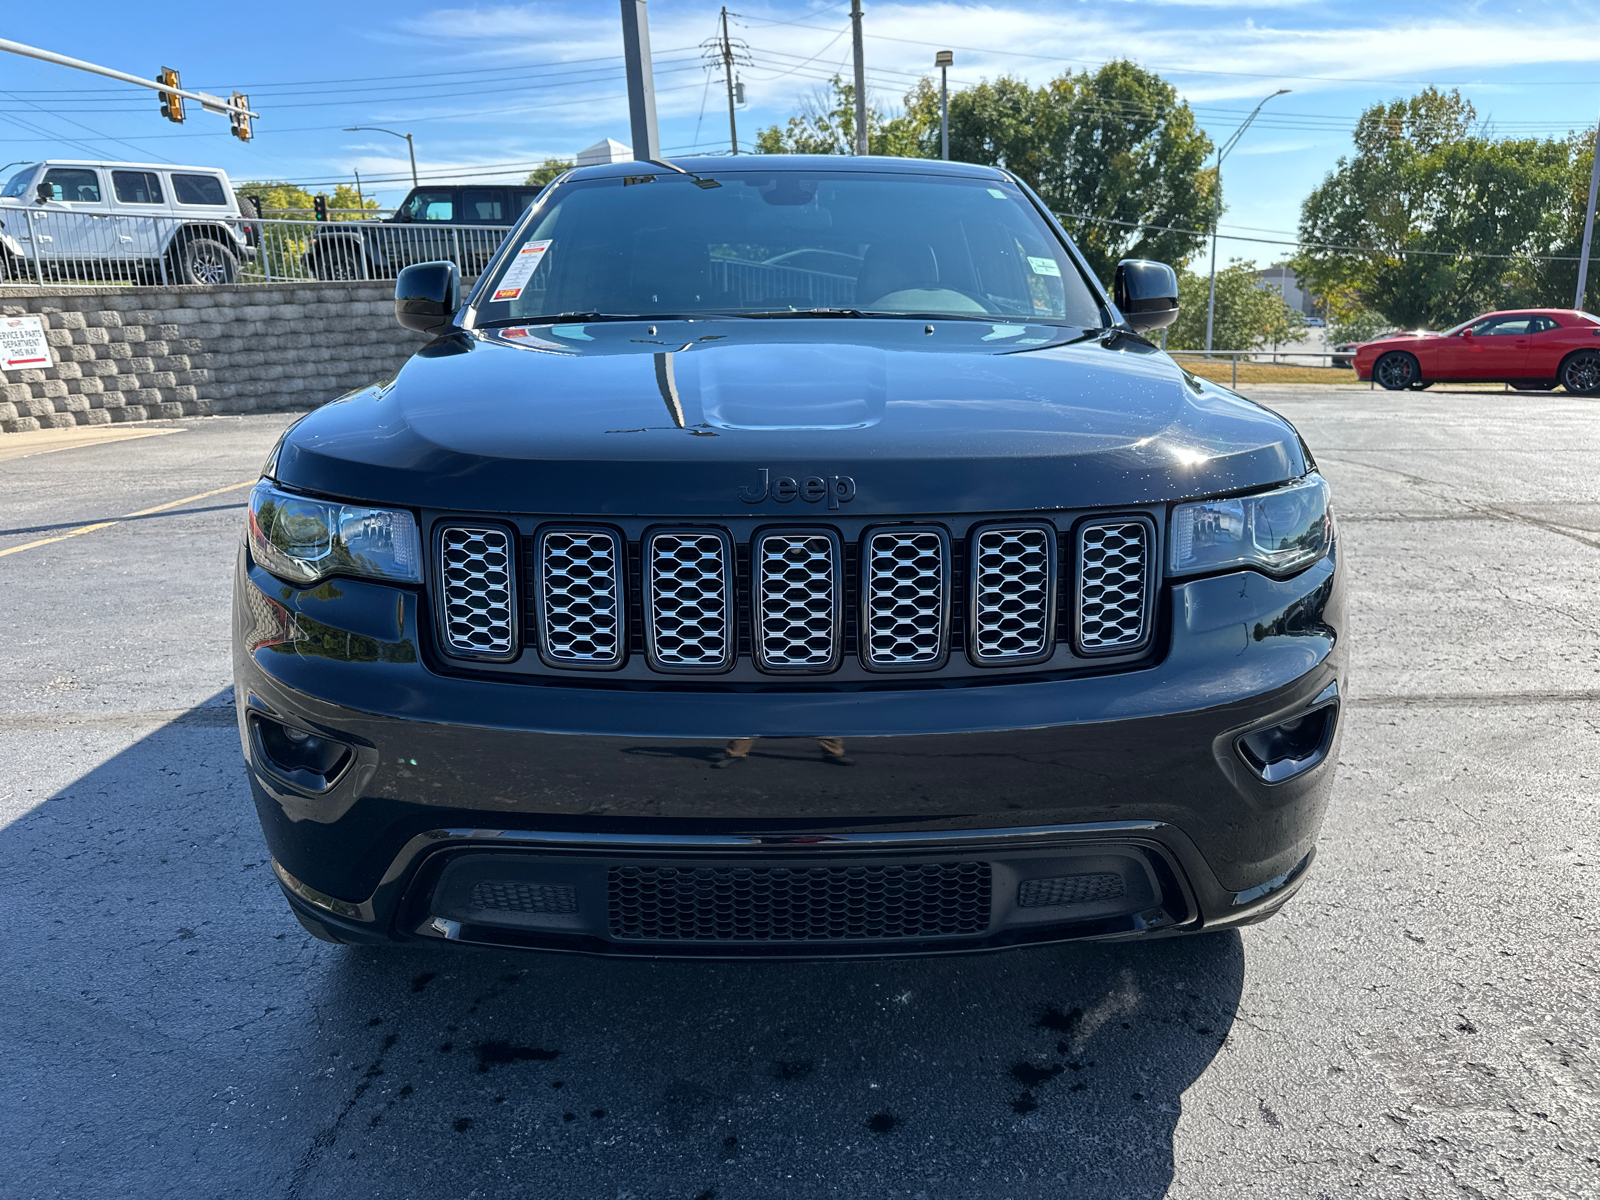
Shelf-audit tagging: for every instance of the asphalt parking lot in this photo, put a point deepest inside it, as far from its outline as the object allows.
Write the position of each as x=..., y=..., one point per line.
x=1423, y=1021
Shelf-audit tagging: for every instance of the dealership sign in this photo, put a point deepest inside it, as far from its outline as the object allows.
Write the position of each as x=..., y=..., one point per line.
x=22, y=343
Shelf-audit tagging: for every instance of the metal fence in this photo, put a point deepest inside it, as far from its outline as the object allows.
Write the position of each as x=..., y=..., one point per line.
x=52, y=247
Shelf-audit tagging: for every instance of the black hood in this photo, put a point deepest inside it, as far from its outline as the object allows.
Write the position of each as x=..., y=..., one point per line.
x=674, y=418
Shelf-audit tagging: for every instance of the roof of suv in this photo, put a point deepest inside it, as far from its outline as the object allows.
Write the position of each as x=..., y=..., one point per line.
x=106, y=162
x=880, y=164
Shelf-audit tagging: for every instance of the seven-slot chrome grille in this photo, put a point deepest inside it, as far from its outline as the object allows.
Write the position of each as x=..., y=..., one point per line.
x=905, y=585
x=1012, y=593
x=797, y=601
x=689, y=609
x=691, y=599
x=1113, y=585
x=477, y=603
x=580, y=598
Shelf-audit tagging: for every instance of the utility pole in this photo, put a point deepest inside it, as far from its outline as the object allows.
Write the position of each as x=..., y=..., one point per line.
x=1588, y=224
x=944, y=60
x=861, y=78
x=727, y=67
x=1216, y=211
x=641, y=81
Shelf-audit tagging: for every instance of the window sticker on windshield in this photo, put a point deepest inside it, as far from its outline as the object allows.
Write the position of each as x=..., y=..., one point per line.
x=1041, y=266
x=522, y=269
x=996, y=193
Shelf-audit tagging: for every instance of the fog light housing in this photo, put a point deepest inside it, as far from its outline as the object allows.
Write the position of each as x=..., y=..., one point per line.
x=1289, y=748
x=306, y=760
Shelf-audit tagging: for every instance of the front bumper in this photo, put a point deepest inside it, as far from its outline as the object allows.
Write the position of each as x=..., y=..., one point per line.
x=1135, y=775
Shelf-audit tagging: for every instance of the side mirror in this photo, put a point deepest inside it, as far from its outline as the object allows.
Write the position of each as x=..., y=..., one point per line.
x=1146, y=293
x=426, y=296
x=43, y=193
x=1467, y=332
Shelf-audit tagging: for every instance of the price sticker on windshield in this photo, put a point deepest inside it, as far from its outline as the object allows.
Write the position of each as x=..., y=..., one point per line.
x=1044, y=266
x=522, y=269
x=23, y=344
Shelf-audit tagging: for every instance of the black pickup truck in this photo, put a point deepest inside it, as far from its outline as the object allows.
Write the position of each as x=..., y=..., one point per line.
x=449, y=223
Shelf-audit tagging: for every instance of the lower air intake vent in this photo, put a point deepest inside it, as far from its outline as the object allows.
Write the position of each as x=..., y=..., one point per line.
x=1113, y=586
x=510, y=896
x=475, y=588
x=798, y=904
x=1012, y=594
x=906, y=585
x=580, y=598
x=797, y=602
x=1069, y=889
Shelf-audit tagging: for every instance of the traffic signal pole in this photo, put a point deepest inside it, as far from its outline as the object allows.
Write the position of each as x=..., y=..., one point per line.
x=206, y=100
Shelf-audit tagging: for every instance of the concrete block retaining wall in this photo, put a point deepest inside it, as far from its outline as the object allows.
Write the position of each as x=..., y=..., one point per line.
x=145, y=353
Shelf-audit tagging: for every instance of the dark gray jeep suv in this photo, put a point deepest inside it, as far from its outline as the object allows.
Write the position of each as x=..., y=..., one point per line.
x=791, y=557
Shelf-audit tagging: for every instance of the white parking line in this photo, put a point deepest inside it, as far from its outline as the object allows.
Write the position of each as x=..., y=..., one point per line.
x=143, y=512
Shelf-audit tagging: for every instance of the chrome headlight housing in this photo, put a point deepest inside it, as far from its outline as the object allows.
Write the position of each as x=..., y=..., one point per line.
x=303, y=540
x=1279, y=532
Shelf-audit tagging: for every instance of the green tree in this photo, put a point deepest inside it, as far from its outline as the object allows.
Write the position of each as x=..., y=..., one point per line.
x=1446, y=222
x=300, y=203
x=1361, y=325
x=1249, y=314
x=548, y=170
x=1114, y=153
x=826, y=124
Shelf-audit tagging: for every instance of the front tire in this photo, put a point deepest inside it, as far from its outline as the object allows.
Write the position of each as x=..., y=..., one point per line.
x=1580, y=374
x=204, y=260
x=1397, y=371
x=337, y=264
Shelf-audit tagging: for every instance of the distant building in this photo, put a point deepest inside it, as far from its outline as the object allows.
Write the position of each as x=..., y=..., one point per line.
x=1282, y=279
x=608, y=151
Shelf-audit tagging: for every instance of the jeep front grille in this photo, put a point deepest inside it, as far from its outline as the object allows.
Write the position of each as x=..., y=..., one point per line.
x=689, y=610
x=1113, y=585
x=906, y=588
x=1012, y=594
x=797, y=601
x=580, y=598
x=475, y=591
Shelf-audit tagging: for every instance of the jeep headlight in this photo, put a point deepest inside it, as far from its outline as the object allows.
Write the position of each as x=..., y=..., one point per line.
x=303, y=540
x=1279, y=532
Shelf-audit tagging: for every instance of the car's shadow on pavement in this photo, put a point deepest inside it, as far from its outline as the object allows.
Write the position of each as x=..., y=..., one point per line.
x=166, y=1019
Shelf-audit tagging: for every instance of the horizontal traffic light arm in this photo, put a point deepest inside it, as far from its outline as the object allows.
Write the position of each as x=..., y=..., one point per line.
x=205, y=99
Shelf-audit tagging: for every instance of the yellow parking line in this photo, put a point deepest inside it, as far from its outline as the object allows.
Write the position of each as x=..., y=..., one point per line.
x=143, y=512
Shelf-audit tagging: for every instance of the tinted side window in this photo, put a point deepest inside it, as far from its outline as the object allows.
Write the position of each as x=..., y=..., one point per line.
x=73, y=185
x=136, y=187
x=482, y=208
x=523, y=199
x=432, y=206
x=197, y=189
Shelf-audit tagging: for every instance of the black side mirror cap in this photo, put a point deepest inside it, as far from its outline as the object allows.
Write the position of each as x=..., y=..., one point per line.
x=427, y=295
x=44, y=192
x=1146, y=292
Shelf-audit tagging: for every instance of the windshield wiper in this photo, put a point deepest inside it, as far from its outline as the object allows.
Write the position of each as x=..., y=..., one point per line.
x=572, y=318
x=802, y=312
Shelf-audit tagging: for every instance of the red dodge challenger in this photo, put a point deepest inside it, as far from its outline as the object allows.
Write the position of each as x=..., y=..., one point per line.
x=1531, y=349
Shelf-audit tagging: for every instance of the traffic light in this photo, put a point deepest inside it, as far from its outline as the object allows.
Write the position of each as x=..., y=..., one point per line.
x=320, y=203
x=171, y=102
x=239, y=116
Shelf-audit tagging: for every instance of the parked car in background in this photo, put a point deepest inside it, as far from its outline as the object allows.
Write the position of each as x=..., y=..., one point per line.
x=148, y=222
x=1345, y=352
x=1530, y=349
x=441, y=222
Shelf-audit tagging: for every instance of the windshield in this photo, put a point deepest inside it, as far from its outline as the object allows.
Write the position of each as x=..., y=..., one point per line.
x=774, y=242
x=16, y=185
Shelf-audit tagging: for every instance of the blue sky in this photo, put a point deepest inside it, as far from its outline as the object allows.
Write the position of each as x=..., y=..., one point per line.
x=493, y=88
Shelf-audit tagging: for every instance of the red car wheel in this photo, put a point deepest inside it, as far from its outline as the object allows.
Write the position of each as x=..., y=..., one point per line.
x=1397, y=371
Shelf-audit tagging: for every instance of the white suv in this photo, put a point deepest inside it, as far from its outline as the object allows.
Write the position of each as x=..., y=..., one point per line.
x=149, y=222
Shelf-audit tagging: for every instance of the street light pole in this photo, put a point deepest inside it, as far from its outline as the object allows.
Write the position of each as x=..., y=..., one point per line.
x=411, y=148
x=861, y=78
x=1216, y=210
x=1588, y=224
x=944, y=60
